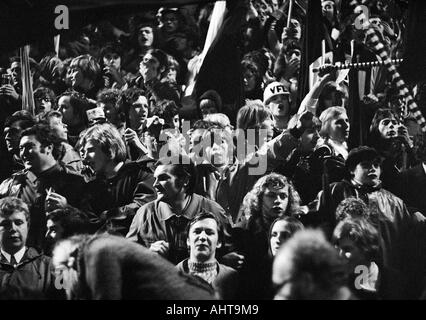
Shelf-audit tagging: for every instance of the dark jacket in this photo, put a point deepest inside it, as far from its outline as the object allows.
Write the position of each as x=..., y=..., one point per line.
x=32, y=188
x=154, y=222
x=112, y=203
x=399, y=230
x=411, y=187
x=34, y=272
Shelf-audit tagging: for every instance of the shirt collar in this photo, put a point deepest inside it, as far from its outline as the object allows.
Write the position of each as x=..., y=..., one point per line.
x=165, y=210
x=18, y=256
x=424, y=167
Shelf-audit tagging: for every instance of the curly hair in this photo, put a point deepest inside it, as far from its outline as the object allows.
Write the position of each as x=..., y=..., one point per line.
x=351, y=208
x=252, y=203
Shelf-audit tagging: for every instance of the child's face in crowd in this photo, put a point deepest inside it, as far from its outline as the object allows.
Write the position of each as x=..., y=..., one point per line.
x=76, y=77
x=388, y=128
x=279, y=106
x=367, y=173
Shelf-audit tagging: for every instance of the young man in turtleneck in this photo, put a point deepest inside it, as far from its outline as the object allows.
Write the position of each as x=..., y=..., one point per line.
x=205, y=235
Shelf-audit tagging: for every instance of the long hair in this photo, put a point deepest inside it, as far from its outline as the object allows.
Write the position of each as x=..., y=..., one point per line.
x=327, y=116
x=109, y=139
x=252, y=203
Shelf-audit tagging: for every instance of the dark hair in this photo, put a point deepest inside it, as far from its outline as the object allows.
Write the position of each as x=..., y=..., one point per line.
x=202, y=215
x=79, y=103
x=23, y=116
x=44, y=134
x=165, y=91
x=214, y=97
x=111, y=47
x=375, y=138
x=42, y=92
x=162, y=58
x=359, y=154
x=72, y=220
x=166, y=110
x=9, y=205
x=183, y=168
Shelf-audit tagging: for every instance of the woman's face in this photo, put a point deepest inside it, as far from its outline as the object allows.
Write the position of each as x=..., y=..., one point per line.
x=280, y=233
x=388, y=128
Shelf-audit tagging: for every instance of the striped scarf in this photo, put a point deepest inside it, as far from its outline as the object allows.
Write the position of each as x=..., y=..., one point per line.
x=374, y=40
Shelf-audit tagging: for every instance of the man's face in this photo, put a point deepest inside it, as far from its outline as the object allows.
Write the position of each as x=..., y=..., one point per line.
x=12, y=136
x=203, y=240
x=59, y=128
x=113, y=60
x=275, y=202
x=268, y=126
x=93, y=156
x=149, y=67
x=167, y=185
x=388, y=128
x=280, y=233
x=32, y=154
x=13, y=232
x=138, y=113
x=145, y=37
x=339, y=128
x=279, y=105
x=217, y=153
x=76, y=77
x=170, y=22
x=67, y=111
x=367, y=173
x=15, y=70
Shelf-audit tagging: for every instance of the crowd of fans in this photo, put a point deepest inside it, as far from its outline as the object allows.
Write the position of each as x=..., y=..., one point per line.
x=123, y=185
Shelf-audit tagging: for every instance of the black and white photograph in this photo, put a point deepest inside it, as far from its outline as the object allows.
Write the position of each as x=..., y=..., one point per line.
x=212, y=155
